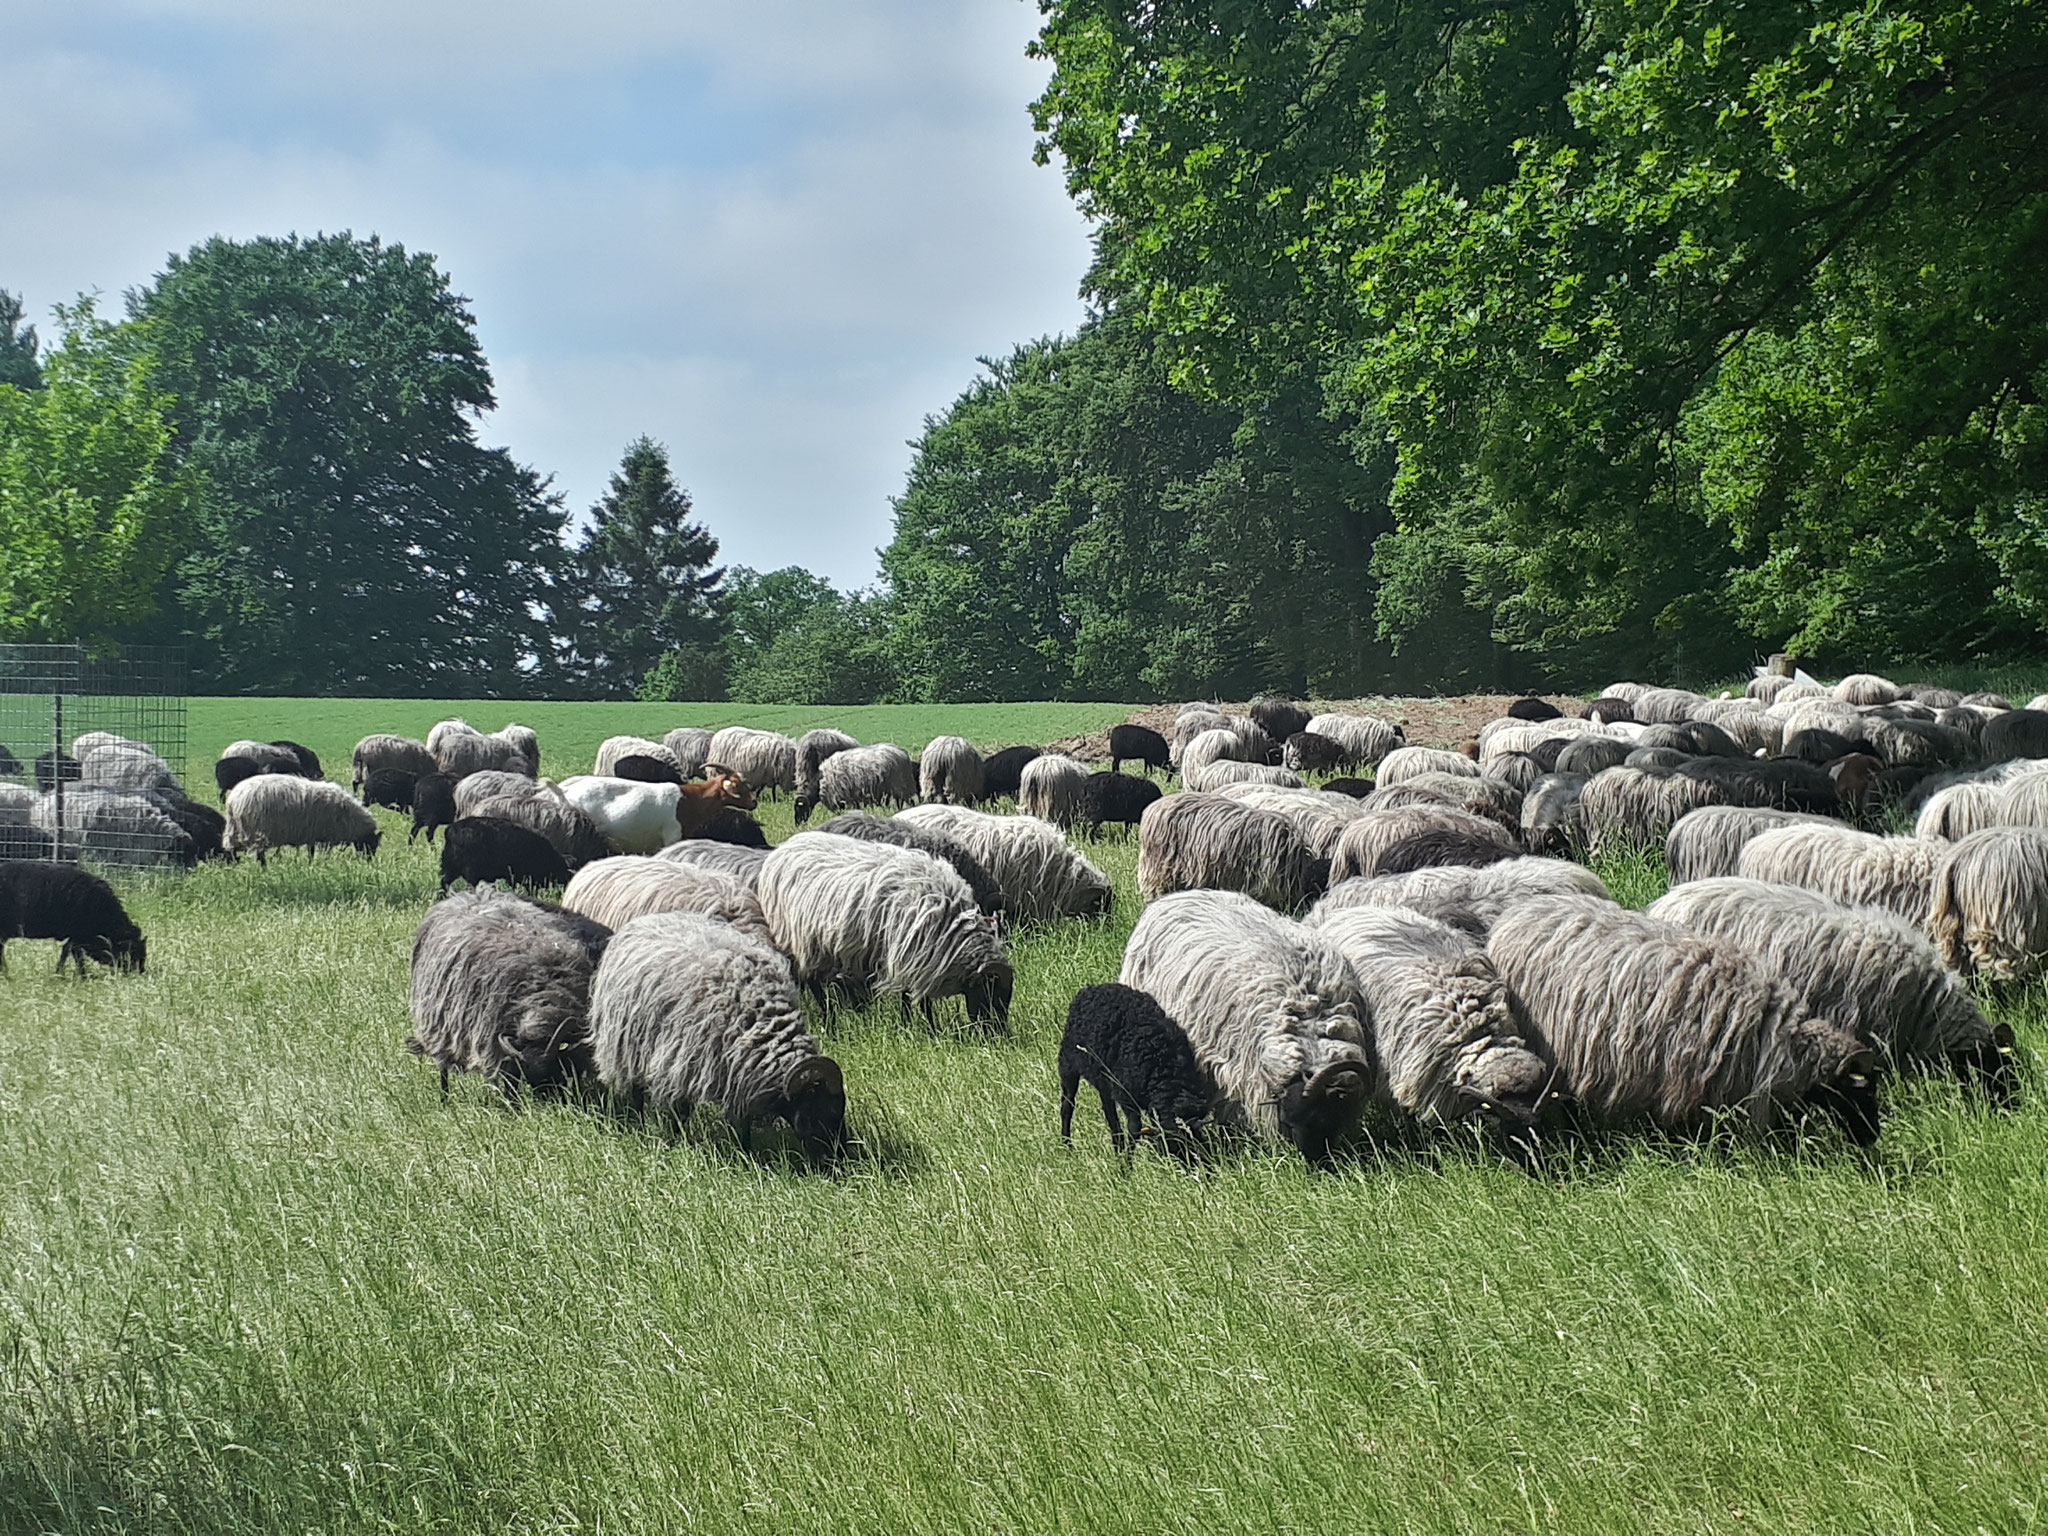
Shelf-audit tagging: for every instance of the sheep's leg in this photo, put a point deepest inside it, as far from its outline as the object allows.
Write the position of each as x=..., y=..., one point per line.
x=1116, y=1124
x=444, y=1080
x=1070, y=1086
x=931, y=1015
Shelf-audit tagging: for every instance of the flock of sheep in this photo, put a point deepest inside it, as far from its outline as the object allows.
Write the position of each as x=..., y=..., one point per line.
x=1343, y=934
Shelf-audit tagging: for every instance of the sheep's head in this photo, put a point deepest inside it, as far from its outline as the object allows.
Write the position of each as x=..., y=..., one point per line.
x=814, y=1104
x=806, y=802
x=1506, y=1085
x=367, y=845
x=1846, y=1087
x=988, y=995
x=130, y=952
x=1988, y=1066
x=1315, y=1112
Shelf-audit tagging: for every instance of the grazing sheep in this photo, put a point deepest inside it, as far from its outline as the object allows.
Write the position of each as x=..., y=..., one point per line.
x=1859, y=869
x=1534, y=709
x=2015, y=733
x=612, y=748
x=401, y=754
x=444, y=731
x=1196, y=841
x=491, y=785
x=391, y=788
x=1989, y=913
x=1435, y=847
x=1271, y=1007
x=433, y=805
x=117, y=827
x=874, y=918
x=72, y=906
x=1213, y=776
x=268, y=758
x=1365, y=740
x=1002, y=773
x=1518, y=770
x=501, y=987
x=1647, y=1020
x=309, y=760
x=1608, y=710
x=1405, y=763
x=568, y=831
x=1448, y=1045
x=1918, y=742
x=1367, y=838
x=1141, y=744
x=1782, y=783
x=1055, y=789
x=1996, y=702
x=1956, y=811
x=1114, y=797
x=1707, y=843
x=275, y=811
x=1495, y=799
x=1585, y=756
x=812, y=749
x=1121, y=1043
x=1765, y=687
x=647, y=770
x=1279, y=718
x=1932, y=695
x=1465, y=896
x=1656, y=759
x=1635, y=808
x=1307, y=752
x=1665, y=706
x=525, y=741
x=1869, y=971
x=1041, y=875
x=1189, y=725
x=230, y=771
x=1628, y=693
x=883, y=774
x=1320, y=818
x=1551, y=819
x=686, y=1010
x=949, y=771
x=730, y=825
x=462, y=753
x=205, y=826
x=85, y=743
x=1254, y=745
x=902, y=833
x=1752, y=731
x=486, y=849
x=689, y=745
x=1866, y=688
x=1353, y=789
x=765, y=759
x=127, y=767
x=16, y=803
x=1216, y=745
x=743, y=864
x=616, y=891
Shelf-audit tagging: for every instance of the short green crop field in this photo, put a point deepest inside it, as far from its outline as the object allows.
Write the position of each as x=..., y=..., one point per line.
x=259, y=1276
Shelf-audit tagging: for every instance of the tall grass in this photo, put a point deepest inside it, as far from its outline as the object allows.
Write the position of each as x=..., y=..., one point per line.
x=259, y=1276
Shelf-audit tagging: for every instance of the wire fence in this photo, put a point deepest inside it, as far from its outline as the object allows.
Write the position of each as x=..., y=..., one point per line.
x=92, y=756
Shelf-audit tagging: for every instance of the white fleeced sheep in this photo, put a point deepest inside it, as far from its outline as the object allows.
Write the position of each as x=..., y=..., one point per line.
x=126, y=765
x=743, y=864
x=1211, y=746
x=1859, y=869
x=1866, y=688
x=1365, y=740
x=614, y=749
x=1054, y=788
x=689, y=745
x=1707, y=843
x=1272, y=1008
x=1040, y=874
x=1955, y=812
x=1320, y=817
x=615, y=891
x=1467, y=895
x=1359, y=848
x=1635, y=808
x=1665, y=706
x=813, y=748
x=634, y=817
x=1989, y=914
x=468, y=751
x=277, y=810
x=127, y=828
x=1211, y=842
x=1404, y=763
x=765, y=759
x=1216, y=775
x=949, y=772
x=854, y=777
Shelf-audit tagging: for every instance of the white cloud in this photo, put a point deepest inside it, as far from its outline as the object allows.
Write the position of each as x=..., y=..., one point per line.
x=779, y=264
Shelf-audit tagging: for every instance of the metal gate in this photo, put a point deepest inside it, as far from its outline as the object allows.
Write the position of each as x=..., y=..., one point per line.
x=92, y=755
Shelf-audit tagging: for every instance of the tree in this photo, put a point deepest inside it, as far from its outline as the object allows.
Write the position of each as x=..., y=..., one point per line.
x=18, y=364
x=355, y=536
x=836, y=652
x=644, y=585
x=94, y=509
x=757, y=607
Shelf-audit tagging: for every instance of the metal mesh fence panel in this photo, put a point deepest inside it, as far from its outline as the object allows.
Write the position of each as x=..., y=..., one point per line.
x=92, y=756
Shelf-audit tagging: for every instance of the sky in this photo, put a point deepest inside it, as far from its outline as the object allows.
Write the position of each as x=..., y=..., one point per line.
x=775, y=235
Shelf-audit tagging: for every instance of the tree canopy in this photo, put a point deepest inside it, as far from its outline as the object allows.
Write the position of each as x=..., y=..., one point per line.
x=18, y=365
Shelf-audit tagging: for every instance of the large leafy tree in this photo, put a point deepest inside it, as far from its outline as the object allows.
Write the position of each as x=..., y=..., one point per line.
x=94, y=508
x=1692, y=322
x=644, y=584
x=18, y=365
x=356, y=536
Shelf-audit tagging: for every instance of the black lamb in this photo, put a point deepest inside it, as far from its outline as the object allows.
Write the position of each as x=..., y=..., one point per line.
x=1118, y=797
x=1357, y=789
x=1121, y=1043
x=1140, y=743
x=1533, y=709
x=485, y=849
x=433, y=805
x=1002, y=773
x=230, y=771
x=1280, y=718
x=202, y=823
x=728, y=824
x=1610, y=711
x=1438, y=848
x=887, y=829
x=1816, y=744
x=309, y=760
x=64, y=902
x=1311, y=752
x=643, y=769
x=391, y=788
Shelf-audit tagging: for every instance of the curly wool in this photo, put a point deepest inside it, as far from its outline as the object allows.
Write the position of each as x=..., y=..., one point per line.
x=501, y=987
x=949, y=771
x=400, y=754
x=689, y=745
x=1227, y=771
x=1859, y=869
x=1054, y=788
x=1468, y=896
x=277, y=811
x=1649, y=1020
x=615, y=891
x=1211, y=842
x=1989, y=913
x=1871, y=972
x=1708, y=843
x=1371, y=834
x=1365, y=741
x=1266, y=1002
x=1447, y=1040
x=765, y=759
x=1404, y=763
x=1041, y=875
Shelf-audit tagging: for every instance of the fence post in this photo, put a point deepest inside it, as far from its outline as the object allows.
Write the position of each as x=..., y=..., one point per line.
x=57, y=766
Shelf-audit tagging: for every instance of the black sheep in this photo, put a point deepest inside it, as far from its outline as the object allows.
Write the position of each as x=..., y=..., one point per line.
x=1280, y=718
x=1588, y=755
x=202, y=823
x=1783, y=782
x=1118, y=797
x=1439, y=848
x=482, y=849
x=731, y=825
x=1547, y=751
x=10, y=765
x=433, y=805
x=1309, y=752
x=887, y=829
x=646, y=770
x=1121, y=1043
x=230, y=771
x=1002, y=773
x=1357, y=789
x=1533, y=709
x=1608, y=711
x=2016, y=733
x=391, y=788
x=1140, y=743
x=52, y=766
x=64, y=902
x=1815, y=744
x=309, y=760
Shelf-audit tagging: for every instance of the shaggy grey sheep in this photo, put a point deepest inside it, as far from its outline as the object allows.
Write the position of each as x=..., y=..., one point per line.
x=445, y=731
x=1866, y=688
x=1958, y=810
x=812, y=749
x=1551, y=819
x=1411, y=762
x=1318, y=816
x=1989, y=914
x=1189, y=724
x=525, y=741
x=1055, y=789
x=1871, y=972
x=1708, y=843
x=883, y=774
x=690, y=746
x=1665, y=706
x=1216, y=745
x=118, y=827
x=1647, y=1020
x=1367, y=838
x=765, y=759
x=1628, y=693
x=1306, y=752
x=1041, y=874
x=1636, y=808
x=1918, y=743
x=874, y=918
x=949, y=771
x=902, y=833
x=126, y=766
x=1195, y=842
x=1365, y=740
x=1495, y=799
x=613, y=748
x=276, y=811
x=615, y=891
x=1213, y=776
x=492, y=784
x=743, y=864
x=1468, y=897
x=568, y=830
x=399, y=753
x=1448, y=1045
x=685, y=1010
x=462, y=753
x=501, y=987
x=1859, y=869
x=1766, y=687
x=1272, y=1009
x=1587, y=755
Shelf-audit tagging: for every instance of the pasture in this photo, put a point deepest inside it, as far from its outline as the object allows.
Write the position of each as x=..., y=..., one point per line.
x=260, y=1276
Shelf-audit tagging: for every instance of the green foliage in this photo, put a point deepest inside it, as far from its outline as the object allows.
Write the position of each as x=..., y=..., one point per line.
x=94, y=510
x=1695, y=326
x=356, y=537
x=756, y=607
x=18, y=365
x=834, y=652
x=644, y=591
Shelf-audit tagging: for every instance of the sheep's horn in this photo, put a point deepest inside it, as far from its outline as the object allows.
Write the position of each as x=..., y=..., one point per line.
x=718, y=768
x=1345, y=1079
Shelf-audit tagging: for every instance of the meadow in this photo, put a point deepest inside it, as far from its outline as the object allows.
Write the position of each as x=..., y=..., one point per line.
x=260, y=1276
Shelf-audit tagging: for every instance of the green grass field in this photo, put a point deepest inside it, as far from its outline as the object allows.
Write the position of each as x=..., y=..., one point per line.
x=260, y=1277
